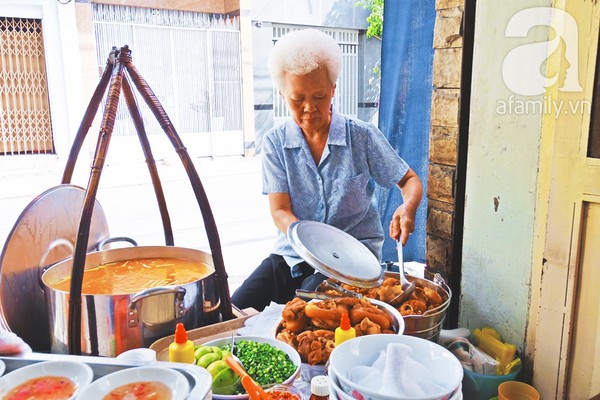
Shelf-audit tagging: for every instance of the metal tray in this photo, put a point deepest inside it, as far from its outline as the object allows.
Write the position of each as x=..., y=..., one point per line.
x=197, y=377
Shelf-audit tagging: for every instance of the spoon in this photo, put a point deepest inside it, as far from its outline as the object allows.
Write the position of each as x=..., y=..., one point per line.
x=408, y=287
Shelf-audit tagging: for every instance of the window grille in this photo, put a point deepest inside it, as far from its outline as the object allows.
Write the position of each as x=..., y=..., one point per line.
x=25, y=124
x=192, y=62
x=346, y=92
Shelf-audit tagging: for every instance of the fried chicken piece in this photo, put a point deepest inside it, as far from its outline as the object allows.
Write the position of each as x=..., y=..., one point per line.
x=433, y=297
x=388, y=292
x=315, y=347
x=413, y=307
x=289, y=337
x=293, y=315
x=367, y=327
x=325, y=324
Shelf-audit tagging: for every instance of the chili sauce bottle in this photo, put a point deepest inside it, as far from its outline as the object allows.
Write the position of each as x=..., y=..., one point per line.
x=182, y=349
x=344, y=331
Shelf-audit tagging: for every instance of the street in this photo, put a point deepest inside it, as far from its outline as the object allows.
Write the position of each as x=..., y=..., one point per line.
x=232, y=184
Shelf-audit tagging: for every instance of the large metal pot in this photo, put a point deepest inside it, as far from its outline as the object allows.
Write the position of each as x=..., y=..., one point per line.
x=112, y=324
x=428, y=325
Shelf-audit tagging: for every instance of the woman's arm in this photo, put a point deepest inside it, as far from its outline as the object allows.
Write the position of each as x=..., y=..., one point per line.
x=281, y=210
x=403, y=220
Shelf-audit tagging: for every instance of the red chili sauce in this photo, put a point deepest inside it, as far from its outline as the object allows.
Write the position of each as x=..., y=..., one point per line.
x=140, y=391
x=281, y=395
x=43, y=388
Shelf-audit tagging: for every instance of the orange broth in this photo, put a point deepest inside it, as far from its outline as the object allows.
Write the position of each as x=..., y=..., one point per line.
x=132, y=276
x=43, y=388
x=140, y=391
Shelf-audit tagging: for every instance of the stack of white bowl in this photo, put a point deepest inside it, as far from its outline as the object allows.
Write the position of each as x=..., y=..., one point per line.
x=445, y=369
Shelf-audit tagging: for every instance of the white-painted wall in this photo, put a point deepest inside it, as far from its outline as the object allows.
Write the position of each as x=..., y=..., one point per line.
x=502, y=173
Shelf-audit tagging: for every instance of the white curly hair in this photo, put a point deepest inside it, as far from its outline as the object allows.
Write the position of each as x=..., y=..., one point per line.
x=302, y=51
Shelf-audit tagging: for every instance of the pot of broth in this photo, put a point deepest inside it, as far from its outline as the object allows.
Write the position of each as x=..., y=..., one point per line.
x=132, y=297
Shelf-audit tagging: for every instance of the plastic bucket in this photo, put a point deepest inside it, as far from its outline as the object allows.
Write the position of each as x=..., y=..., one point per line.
x=513, y=390
x=483, y=387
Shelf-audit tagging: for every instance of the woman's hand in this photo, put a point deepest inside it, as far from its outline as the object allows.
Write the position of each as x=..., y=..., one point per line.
x=402, y=224
x=403, y=220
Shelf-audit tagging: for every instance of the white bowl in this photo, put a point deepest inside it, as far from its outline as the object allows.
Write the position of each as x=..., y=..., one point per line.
x=335, y=391
x=444, y=368
x=175, y=380
x=81, y=374
x=289, y=350
x=2, y=367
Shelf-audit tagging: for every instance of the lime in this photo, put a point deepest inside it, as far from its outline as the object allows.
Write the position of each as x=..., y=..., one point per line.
x=216, y=366
x=207, y=359
x=217, y=350
x=202, y=350
x=225, y=382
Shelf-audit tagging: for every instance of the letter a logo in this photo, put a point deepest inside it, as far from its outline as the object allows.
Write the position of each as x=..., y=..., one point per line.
x=522, y=66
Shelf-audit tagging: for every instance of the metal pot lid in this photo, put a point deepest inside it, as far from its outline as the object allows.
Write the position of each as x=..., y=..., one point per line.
x=44, y=234
x=335, y=253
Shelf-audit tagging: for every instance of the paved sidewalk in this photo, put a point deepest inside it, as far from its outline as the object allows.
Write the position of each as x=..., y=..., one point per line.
x=233, y=186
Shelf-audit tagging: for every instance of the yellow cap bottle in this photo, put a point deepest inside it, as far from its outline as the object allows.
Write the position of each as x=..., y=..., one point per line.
x=182, y=349
x=344, y=331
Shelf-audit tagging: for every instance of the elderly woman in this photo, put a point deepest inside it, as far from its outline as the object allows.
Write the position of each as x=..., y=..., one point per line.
x=321, y=166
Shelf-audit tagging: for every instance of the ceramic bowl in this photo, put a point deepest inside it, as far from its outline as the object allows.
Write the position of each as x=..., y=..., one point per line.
x=443, y=367
x=174, y=380
x=289, y=350
x=81, y=374
x=335, y=390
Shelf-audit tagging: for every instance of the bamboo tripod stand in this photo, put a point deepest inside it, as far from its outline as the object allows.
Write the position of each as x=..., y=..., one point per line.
x=118, y=76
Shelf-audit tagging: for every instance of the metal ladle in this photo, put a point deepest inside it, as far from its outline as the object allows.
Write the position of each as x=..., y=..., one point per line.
x=408, y=287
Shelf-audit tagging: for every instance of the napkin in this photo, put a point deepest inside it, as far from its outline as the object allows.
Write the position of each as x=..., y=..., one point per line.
x=263, y=324
x=396, y=373
x=12, y=345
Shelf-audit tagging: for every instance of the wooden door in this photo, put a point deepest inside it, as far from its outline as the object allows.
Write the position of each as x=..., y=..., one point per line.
x=567, y=339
